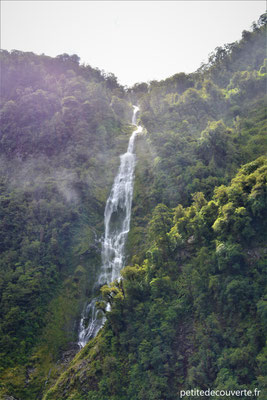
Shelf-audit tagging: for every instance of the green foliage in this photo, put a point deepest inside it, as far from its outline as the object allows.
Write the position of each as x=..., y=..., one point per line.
x=195, y=317
x=190, y=309
x=60, y=139
x=202, y=127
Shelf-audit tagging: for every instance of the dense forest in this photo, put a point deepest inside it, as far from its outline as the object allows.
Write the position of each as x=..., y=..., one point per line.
x=190, y=311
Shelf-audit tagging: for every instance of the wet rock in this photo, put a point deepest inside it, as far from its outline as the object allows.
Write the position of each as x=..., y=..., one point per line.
x=69, y=354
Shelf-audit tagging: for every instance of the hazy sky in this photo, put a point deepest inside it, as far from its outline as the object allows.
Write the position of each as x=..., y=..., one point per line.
x=136, y=40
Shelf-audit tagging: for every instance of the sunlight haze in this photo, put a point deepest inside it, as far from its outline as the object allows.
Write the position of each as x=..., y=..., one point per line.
x=136, y=40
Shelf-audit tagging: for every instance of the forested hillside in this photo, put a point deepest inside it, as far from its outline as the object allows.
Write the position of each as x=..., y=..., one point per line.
x=63, y=126
x=192, y=314
x=190, y=311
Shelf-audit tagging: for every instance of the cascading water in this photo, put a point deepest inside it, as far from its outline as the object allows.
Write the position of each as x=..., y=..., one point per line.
x=117, y=225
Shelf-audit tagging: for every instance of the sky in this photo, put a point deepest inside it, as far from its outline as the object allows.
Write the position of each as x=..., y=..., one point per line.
x=138, y=41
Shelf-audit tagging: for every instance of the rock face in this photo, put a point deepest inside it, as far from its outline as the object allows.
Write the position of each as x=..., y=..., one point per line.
x=69, y=354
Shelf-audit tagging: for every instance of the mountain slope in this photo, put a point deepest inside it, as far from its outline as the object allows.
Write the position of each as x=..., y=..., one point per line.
x=62, y=128
x=190, y=311
x=192, y=314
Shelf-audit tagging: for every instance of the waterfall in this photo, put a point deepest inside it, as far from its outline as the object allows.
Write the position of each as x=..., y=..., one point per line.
x=117, y=219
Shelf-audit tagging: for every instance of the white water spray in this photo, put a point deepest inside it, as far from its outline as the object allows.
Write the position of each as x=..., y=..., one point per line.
x=117, y=219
